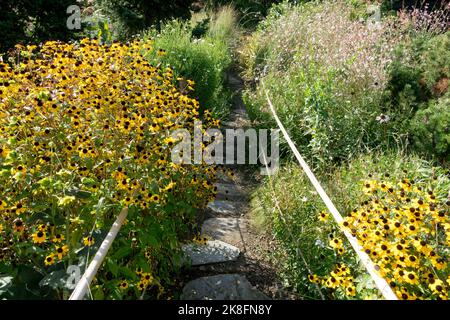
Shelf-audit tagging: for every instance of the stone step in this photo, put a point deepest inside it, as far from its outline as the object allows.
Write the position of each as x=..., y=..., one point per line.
x=226, y=207
x=222, y=287
x=224, y=229
x=227, y=191
x=214, y=251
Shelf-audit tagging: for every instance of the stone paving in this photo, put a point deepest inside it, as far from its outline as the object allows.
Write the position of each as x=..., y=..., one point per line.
x=224, y=231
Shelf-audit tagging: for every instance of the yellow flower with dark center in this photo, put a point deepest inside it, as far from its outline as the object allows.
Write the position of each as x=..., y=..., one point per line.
x=369, y=186
x=49, y=260
x=39, y=237
x=123, y=285
x=323, y=216
x=146, y=278
x=88, y=241
x=313, y=278
x=58, y=238
x=4, y=152
x=18, y=225
x=61, y=251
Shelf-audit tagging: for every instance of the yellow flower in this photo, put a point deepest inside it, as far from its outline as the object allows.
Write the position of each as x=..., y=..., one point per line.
x=350, y=291
x=88, y=241
x=323, y=216
x=369, y=186
x=49, y=260
x=4, y=152
x=123, y=285
x=58, y=238
x=39, y=237
x=161, y=52
x=146, y=278
x=313, y=278
x=437, y=286
x=61, y=251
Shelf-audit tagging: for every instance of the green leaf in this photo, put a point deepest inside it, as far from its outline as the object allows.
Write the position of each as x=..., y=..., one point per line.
x=112, y=266
x=56, y=279
x=121, y=253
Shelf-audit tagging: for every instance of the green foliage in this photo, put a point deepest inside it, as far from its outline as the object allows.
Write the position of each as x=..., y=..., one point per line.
x=250, y=11
x=204, y=60
x=298, y=228
x=326, y=95
x=132, y=16
x=416, y=90
x=431, y=128
x=23, y=21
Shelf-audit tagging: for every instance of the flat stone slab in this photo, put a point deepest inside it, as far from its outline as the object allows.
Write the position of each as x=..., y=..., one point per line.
x=214, y=251
x=221, y=287
x=224, y=229
x=228, y=191
x=226, y=207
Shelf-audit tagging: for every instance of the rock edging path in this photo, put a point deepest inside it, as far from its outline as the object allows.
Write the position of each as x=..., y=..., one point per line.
x=225, y=225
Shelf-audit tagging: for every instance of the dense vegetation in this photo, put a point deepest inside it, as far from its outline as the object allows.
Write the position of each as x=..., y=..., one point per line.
x=86, y=116
x=367, y=103
x=86, y=131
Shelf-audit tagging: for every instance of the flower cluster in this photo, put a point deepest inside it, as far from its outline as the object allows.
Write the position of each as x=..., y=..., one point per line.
x=84, y=131
x=404, y=227
x=338, y=279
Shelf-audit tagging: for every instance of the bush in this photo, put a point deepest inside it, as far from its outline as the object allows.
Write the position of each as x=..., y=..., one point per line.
x=325, y=74
x=34, y=21
x=132, y=16
x=250, y=11
x=203, y=60
x=84, y=132
x=302, y=226
x=430, y=128
x=417, y=86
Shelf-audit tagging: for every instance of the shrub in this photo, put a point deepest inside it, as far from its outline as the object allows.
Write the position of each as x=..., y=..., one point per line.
x=132, y=16
x=418, y=82
x=365, y=183
x=84, y=132
x=34, y=21
x=250, y=11
x=430, y=128
x=325, y=74
x=204, y=60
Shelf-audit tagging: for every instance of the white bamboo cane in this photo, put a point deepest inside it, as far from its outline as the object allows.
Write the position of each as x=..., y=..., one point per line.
x=82, y=286
x=380, y=282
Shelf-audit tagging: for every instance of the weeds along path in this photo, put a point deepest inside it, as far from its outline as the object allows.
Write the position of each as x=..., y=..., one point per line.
x=234, y=263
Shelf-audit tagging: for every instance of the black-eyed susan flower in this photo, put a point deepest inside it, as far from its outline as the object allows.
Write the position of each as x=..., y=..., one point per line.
x=49, y=260
x=88, y=241
x=18, y=225
x=58, y=238
x=313, y=278
x=146, y=278
x=323, y=216
x=61, y=251
x=123, y=285
x=4, y=152
x=39, y=237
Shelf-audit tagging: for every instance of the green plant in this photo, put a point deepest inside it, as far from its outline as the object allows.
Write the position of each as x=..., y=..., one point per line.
x=89, y=136
x=299, y=226
x=324, y=81
x=129, y=17
x=430, y=128
x=23, y=21
x=204, y=61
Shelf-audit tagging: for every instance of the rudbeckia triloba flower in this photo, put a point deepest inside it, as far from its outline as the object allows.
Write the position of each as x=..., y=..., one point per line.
x=88, y=241
x=403, y=227
x=85, y=130
x=39, y=237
